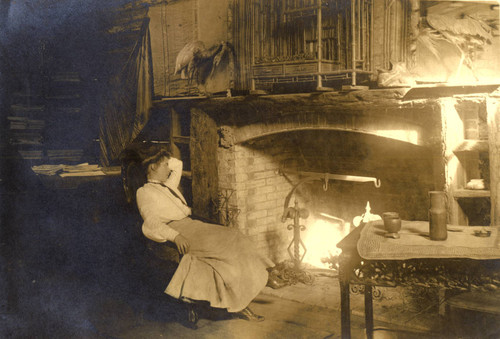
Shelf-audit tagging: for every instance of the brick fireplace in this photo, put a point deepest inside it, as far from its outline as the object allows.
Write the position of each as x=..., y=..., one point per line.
x=263, y=176
x=257, y=167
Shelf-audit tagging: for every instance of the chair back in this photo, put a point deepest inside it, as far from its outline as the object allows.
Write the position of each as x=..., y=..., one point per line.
x=133, y=177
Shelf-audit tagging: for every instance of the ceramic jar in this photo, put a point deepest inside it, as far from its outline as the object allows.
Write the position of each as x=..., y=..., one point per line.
x=437, y=216
x=392, y=222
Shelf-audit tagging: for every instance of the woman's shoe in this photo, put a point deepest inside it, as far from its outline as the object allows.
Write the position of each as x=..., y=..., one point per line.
x=192, y=315
x=273, y=283
x=247, y=314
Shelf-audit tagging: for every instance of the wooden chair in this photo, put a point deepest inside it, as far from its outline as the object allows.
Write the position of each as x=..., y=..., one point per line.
x=154, y=256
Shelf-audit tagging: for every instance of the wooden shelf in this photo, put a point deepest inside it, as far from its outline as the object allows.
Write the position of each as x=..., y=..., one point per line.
x=67, y=110
x=445, y=90
x=476, y=301
x=199, y=97
x=112, y=170
x=465, y=193
x=64, y=97
x=181, y=139
x=472, y=146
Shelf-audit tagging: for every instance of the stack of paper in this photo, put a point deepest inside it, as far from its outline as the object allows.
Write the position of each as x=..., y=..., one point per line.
x=81, y=170
x=47, y=169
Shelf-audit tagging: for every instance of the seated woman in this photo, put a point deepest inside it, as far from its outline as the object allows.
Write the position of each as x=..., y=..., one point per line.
x=219, y=265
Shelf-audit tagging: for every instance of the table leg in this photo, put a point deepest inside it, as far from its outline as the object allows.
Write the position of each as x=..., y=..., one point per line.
x=345, y=310
x=368, y=312
x=345, y=307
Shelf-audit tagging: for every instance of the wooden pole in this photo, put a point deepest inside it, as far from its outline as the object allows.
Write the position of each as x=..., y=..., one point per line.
x=362, y=17
x=353, y=42
x=339, y=36
x=358, y=29
x=320, y=44
x=254, y=14
x=372, y=33
x=451, y=137
x=175, y=130
x=493, y=114
x=386, y=34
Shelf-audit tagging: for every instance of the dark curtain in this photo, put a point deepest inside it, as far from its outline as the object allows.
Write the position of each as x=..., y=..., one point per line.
x=127, y=106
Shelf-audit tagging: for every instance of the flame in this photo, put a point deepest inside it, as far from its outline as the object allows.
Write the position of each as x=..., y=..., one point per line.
x=321, y=237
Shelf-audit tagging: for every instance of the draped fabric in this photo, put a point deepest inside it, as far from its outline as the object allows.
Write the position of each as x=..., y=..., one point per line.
x=126, y=108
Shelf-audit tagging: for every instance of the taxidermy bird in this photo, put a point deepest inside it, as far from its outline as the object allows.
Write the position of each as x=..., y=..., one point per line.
x=467, y=33
x=397, y=76
x=195, y=62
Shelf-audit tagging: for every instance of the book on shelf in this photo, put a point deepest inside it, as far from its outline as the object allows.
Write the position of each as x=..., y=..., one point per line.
x=21, y=123
x=65, y=155
x=66, y=77
x=28, y=137
x=31, y=154
x=67, y=110
x=63, y=152
x=20, y=110
x=21, y=141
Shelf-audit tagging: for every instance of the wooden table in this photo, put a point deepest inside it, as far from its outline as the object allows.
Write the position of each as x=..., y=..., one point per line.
x=59, y=182
x=370, y=259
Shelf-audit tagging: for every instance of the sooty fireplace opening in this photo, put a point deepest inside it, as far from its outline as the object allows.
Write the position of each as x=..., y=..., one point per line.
x=260, y=188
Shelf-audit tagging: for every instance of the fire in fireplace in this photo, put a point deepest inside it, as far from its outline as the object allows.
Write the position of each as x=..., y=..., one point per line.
x=325, y=230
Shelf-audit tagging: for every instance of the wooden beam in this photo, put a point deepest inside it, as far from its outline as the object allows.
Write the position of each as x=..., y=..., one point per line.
x=465, y=193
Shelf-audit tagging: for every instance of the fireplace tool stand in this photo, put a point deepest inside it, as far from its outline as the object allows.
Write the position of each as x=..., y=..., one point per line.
x=295, y=213
x=291, y=274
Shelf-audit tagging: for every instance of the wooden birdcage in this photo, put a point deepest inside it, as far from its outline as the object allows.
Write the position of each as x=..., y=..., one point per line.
x=310, y=41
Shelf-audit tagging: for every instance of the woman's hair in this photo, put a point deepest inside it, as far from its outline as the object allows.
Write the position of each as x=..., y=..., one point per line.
x=156, y=157
x=135, y=160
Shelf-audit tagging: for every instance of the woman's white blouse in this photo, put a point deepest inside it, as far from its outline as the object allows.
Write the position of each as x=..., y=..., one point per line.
x=158, y=206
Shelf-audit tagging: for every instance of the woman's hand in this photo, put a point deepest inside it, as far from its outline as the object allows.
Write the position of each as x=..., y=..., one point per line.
x=182, y=244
